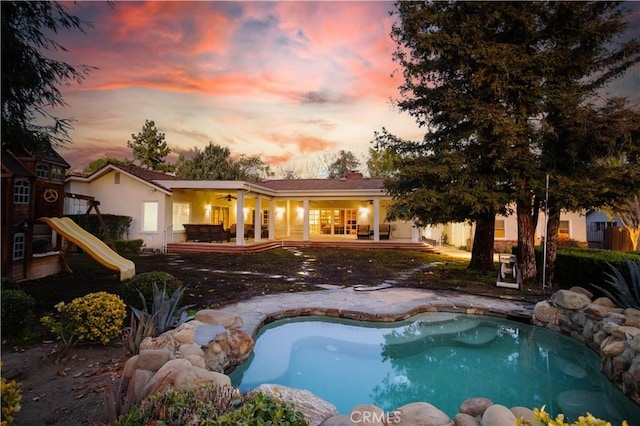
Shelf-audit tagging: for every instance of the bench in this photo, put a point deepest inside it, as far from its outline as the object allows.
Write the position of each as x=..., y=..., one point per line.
x=206, y=232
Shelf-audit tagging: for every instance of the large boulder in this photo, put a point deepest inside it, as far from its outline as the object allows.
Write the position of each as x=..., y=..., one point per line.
x=498, y=415
x=570, y=300
x=181, y=374
x=421, y=414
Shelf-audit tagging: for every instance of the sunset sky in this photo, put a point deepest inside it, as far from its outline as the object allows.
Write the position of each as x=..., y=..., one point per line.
x=289, y=81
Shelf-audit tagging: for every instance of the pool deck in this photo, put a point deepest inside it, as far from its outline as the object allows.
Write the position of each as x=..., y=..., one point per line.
x=374, y=303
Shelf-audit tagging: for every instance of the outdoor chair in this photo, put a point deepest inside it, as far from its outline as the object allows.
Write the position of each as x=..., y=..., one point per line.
x=385, y=231
x=363, y=232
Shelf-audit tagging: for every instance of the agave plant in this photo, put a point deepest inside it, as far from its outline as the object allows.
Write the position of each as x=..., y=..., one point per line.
x=164, y=309
x=623, y=294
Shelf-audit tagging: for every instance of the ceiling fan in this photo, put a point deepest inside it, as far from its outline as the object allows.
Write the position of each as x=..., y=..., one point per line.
x=227, y=197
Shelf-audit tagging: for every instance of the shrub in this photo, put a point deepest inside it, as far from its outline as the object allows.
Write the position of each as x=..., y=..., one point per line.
x=623, y=294
x=17, y=312
x=143, y=283
x=95, y=318
x=117, y=225
x=164, y=309
x=128, y=246
x=212, y=406
x=11, y=396
x=542, y=418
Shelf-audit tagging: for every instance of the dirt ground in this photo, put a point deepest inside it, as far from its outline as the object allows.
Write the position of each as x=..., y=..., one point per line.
x=70, y=390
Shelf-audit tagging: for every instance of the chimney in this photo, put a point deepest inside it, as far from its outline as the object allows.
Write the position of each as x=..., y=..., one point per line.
x=354, y=174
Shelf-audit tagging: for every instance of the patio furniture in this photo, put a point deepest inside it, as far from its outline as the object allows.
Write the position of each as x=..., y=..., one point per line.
x=249, y=231
x=385, y=231
x=363, y=232
x=206, y=232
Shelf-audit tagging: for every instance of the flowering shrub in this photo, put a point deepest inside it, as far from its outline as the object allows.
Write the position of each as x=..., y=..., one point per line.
x=542, y=418
x=96, y=317
x=11, y=397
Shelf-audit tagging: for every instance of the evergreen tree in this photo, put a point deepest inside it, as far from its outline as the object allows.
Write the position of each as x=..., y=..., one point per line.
x=149, y=146
x=344, y=163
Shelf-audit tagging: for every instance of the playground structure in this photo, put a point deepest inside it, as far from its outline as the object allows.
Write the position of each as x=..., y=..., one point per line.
x=96, y=248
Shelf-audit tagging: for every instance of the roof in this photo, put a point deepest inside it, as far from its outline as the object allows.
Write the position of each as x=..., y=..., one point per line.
x=47, y=154
x=149, y=177
x=324, y=184
x=13, y=166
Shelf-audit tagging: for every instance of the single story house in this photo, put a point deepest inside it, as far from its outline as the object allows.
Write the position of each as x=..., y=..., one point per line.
x=300, y=209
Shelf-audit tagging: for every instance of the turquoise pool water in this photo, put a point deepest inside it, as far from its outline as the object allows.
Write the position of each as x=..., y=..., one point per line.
x=439, y=358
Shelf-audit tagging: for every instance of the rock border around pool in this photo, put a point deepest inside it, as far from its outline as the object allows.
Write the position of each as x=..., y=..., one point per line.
x=200, y=351
x=612, y=332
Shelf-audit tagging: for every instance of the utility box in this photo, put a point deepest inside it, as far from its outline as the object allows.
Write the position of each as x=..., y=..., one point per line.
x=508, y=272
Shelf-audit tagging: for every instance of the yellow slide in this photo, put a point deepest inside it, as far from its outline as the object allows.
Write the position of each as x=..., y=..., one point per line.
x=97, y=249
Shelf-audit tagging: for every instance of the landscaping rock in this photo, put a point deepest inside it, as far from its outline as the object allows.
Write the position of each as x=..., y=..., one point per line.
x=315, y=409
x=475, y=406
x=153, y=359
x=180, y=374
x=421, y=414
x=498, y=415
x=225, y=319
x=570, y=299
x=463, y=419
x=338, y=421
x=367, y=414
x=523, y=413
x=545, y=312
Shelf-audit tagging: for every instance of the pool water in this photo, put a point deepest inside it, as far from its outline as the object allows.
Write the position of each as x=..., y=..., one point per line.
x=439, y=358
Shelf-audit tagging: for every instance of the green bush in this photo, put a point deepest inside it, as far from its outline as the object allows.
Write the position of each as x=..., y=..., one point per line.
x=585, y=267
x=143, y=283
x=212, y=406
x=116, y=225
x=17, y=312
x=94, y=318
x=128, y=246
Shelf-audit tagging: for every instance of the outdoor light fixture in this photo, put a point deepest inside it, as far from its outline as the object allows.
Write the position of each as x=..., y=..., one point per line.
x=279, y=212
x=300, y=211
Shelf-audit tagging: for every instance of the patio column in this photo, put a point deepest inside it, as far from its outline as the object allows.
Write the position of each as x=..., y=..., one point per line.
x=376, y=219
x=272, y=219
x=240, y=219
x=288, y=219
x=257, y=227
x=305, y=220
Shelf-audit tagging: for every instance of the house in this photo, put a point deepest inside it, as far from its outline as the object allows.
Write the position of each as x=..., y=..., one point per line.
x=32, y=187
x=572, y=226
x=160, y=204
x=300, y=209
x=605, y=232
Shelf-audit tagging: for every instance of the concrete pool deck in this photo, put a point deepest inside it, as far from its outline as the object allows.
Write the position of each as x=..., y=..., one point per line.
x=374, y=303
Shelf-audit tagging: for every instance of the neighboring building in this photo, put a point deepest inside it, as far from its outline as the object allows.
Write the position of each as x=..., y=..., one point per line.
x=32, y=187
x=572, y=226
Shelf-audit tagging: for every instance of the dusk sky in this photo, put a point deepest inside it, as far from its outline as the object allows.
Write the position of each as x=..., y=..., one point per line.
x=289, y=81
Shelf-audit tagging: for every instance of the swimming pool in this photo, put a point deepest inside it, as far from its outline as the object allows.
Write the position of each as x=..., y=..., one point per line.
x=439, y=358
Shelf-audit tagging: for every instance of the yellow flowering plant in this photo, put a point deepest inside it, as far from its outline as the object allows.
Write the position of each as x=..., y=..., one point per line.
x=542, y=418
x=11, y=397
x=94, y=318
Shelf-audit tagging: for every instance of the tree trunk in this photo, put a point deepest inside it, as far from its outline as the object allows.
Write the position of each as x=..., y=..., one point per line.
x=526, y=242
x=482, y=252
x=551, y=238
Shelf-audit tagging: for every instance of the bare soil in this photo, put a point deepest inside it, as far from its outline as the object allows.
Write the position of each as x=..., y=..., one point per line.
x=70, y=389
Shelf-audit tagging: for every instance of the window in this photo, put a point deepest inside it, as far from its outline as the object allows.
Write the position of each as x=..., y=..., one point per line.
x=150, y=216
x=21, y=191
x=19, y=239
x=57, y=173
x=499, y=229
x=563, y=229
x=265, y=217
x=181, y=215
x=42, y=171
x=116, y=178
